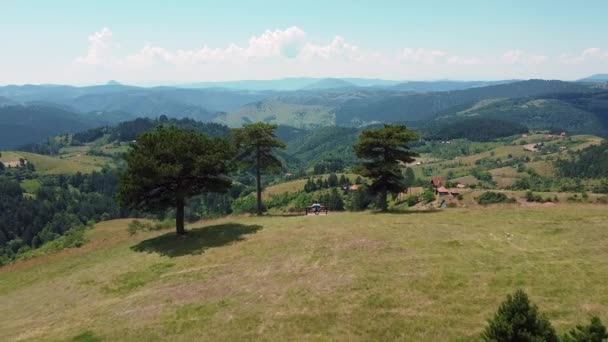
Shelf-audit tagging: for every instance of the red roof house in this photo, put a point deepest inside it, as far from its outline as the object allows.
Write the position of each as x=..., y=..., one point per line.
x=442, y=191
x=437, y=182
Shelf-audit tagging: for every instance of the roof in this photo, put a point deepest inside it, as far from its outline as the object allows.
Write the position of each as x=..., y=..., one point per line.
x=442, y=189
x=461, y=186
x=354, y=187
x=437, y=181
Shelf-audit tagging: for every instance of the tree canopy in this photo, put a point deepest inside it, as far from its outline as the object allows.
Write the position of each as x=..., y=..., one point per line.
x=168, y=165
x=255, y=143
x=383, y=151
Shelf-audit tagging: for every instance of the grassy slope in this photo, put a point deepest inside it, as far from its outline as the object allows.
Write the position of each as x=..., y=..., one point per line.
x=298, y=185
x=426, y=276
x=54, y=165
x=504, y=176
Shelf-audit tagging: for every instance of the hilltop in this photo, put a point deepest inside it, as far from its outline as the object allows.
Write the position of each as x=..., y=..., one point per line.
x=361, y=276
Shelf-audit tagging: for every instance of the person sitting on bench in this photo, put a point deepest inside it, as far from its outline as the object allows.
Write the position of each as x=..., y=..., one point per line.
x=316, y=207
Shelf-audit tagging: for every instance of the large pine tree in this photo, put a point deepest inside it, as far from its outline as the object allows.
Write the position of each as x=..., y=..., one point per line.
x=383, y=150
x=167, y=166
x=256, y=143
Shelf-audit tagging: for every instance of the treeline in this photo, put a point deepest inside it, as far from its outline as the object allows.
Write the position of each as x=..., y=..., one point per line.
x=591, y=162
x=124, y=132
x=476, y=129
x=60, y=205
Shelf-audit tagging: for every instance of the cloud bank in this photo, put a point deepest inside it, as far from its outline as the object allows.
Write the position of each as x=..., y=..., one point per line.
x=290, y=52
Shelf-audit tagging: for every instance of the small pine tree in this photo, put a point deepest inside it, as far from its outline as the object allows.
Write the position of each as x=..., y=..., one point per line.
x=343, y=181
x=358, y=180
x=332, y=180
x=518, y=320
x=335, y=200
x=594, y=332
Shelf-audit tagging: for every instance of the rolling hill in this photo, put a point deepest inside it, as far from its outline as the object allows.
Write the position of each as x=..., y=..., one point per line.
x=576, y=113
x=364, y=106
x=23, y=124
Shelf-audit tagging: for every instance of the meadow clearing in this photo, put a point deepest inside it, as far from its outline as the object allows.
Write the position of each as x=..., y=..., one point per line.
x=424, y=276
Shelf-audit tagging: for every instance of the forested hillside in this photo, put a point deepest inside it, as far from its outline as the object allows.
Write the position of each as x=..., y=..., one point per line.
x=21, y=125
x=575, y=113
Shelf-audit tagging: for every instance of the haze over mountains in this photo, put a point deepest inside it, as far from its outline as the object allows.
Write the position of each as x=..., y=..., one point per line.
x=31, y=113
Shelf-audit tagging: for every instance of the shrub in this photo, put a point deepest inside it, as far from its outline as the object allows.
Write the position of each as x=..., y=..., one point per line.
x=490, y=197
x=412, y=200
x=519, y=320
x=532, y=197
x=594, y=332
x=246, y=204
x=428, y=196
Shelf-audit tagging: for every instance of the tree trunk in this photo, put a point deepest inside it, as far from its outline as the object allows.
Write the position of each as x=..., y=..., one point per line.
x=179, y=217
x=259, y=182
x=382, y=202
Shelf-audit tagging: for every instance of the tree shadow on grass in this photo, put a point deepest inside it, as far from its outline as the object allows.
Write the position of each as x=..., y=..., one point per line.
x=196, y=240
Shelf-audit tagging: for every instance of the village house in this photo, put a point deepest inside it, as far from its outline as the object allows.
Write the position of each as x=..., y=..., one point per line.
x=531, y=147
x=442, y=191
x=437, y=182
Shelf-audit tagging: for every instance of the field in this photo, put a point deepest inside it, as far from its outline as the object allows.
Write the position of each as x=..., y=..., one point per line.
x=426, y=276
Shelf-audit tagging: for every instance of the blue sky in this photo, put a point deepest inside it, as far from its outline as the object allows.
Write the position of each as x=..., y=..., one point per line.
x=84, y=42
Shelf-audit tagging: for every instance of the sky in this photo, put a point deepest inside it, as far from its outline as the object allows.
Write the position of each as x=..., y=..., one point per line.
x=143, y=42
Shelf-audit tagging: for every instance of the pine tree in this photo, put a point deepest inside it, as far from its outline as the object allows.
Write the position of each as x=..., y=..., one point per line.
x=167, y=166
x=594, y=332
x=336, y=200
x=256, y=143
x=518, y=320
x=382, y=151
x=410, y=178
x=332, y=180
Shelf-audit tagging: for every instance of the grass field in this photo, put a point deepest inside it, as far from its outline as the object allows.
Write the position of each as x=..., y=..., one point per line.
x=427, y=276
x=54, y=165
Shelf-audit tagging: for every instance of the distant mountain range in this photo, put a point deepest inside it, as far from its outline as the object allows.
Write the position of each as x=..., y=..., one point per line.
x=597, y=78
x=31, y=113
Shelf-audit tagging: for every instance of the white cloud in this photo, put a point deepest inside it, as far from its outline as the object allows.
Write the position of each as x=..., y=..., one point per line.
x=285, y=43
x=590, y=55
x=513, y=56
x=290, y=52
x=522, y=57
x=100, y=48
x=422, y=56
x=457, y=60
x=337, y=48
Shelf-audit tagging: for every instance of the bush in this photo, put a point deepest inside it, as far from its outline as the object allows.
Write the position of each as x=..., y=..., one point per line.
x=490, y=197
x=532, y=197
x=412, y=200
x=428, y=196
x=246, y=204
x=594, y=332
x=518, y=320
